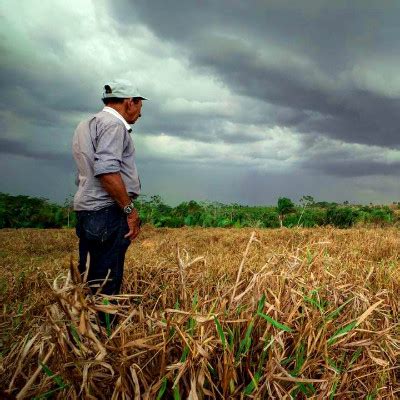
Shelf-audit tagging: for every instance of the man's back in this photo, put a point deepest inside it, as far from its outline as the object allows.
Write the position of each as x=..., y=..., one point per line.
x=101, y=145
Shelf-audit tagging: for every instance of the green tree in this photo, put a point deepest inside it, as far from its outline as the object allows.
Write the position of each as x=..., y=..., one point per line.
x=305, y=201
x=28, y=212
x=285, y=207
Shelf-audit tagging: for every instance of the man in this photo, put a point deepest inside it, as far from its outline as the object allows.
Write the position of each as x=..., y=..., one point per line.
x=108, y=183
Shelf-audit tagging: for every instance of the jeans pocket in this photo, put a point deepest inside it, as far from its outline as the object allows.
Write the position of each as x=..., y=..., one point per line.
x=95, y=226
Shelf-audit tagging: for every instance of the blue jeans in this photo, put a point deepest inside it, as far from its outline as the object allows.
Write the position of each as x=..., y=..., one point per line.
x=101, y=235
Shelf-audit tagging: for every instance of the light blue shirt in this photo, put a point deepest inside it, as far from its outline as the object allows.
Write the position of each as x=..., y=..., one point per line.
x=101, y=145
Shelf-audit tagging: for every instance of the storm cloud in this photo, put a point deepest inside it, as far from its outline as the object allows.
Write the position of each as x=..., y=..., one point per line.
x=13, y=147
x=311, y=57
x=253, y=100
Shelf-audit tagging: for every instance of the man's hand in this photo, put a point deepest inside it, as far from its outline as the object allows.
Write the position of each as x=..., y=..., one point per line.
x=115, y=187
x=134, y=225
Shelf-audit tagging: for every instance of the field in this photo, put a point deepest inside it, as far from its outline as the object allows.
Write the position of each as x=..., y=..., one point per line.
x=205, y=313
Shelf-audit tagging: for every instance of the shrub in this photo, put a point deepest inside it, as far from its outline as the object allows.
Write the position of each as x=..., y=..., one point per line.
x=341, y=217
x=311, y=217
x=381, y=215
x=270, y=219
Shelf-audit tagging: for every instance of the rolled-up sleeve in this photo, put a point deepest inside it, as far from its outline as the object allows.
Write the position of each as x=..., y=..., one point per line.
x=109, y=148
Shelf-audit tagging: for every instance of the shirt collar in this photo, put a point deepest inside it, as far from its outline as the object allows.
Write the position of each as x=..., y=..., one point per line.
x=110, y=110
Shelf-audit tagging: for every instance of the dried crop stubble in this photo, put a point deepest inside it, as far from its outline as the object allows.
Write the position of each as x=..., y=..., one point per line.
x=209, y=313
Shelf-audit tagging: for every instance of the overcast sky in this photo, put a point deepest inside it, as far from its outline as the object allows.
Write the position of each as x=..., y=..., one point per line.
x=249, y=100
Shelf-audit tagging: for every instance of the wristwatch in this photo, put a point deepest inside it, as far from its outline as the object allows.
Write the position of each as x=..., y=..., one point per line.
x=129, y=208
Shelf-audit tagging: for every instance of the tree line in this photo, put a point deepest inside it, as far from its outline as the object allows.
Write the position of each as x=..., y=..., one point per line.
x=31, y=212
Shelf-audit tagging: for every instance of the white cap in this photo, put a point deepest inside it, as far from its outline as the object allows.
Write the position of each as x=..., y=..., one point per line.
x=121, y=89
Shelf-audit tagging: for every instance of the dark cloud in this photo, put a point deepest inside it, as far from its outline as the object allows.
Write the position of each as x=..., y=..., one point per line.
x=353, y=168
x=346, y=161
x=333, y=34
x=285, y=64
x=208, y=126
x=40, y=83
x=14, y=147
x=232, y=39
x=44, y=97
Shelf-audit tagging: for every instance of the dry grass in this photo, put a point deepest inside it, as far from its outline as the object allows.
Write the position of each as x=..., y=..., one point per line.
x=206, y=313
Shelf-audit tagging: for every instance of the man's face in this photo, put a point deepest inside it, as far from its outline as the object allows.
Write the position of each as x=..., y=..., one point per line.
x=133, y=109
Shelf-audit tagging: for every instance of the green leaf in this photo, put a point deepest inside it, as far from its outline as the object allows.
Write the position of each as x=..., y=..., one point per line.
x=287, y=361
x=253, y=384
x=247, y=337
x=275, y=323
x=213, y=307
x=314, y=302
x=240, y=308
x=333, y=365
x=333, y=390
x=211, y=369
x=162, y=390
x=300, y=359
x=57, y=379
x=107, y=317
x=75, y=335
x=184, y=354
x=356, y=354
x=307, y=389
x=177, y=395
x=245, y=343
x=232, y=386
x=231, y=338
x=341, y=332
x=261, y=303
x=309, y=256
x=262, y=359
x=336, y=312
x=195, y=300
x=220, y=332
x=171, y=332
x=191, y=325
